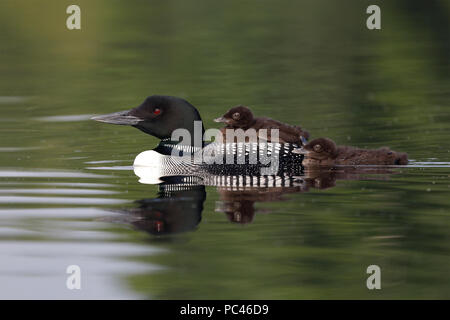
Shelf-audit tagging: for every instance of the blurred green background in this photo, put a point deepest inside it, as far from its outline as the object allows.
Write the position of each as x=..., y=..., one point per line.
x=312, y=63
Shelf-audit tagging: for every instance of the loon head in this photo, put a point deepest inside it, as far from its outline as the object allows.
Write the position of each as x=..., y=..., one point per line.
x=237, y=117
x=158, y=116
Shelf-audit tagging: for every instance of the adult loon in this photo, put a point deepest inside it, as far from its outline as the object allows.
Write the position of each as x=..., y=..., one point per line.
x=160, y=116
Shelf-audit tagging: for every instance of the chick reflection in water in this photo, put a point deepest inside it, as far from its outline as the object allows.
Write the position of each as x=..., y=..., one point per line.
x=239, y=204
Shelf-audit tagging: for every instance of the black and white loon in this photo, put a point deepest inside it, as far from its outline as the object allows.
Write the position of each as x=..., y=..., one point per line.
x=159, y=116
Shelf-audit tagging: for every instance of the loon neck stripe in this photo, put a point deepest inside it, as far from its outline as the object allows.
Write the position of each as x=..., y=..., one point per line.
x=168, y=147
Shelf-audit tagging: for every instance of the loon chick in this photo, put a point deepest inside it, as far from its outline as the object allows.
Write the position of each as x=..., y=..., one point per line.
x=161, y=115
x=324, y=152
x=241, y=117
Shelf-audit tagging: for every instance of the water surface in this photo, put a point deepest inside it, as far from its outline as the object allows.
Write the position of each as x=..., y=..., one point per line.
x=68, y=194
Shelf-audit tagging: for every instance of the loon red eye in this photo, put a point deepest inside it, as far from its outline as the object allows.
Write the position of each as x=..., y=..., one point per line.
x=156, y=111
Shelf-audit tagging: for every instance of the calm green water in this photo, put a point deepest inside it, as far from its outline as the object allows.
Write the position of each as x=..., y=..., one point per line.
x=68, y=191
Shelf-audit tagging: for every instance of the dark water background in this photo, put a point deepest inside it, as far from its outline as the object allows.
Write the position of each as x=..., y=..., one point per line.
x=312, y=63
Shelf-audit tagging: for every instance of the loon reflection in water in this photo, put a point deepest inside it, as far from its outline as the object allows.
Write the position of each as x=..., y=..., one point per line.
x=177, y=209
x=179, y=204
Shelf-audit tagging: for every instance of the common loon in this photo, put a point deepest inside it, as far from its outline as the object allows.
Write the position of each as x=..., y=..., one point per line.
x=161, y=115
x=241, y=117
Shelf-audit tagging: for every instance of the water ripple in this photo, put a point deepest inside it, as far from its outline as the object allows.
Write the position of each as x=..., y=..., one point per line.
x=59, y=200
x=66, y=118
x=12, y=99
x=47, y=174
x=66, y=191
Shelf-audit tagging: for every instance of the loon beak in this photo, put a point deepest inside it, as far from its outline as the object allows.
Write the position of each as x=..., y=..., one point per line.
x=221, y=119
x=121, y=117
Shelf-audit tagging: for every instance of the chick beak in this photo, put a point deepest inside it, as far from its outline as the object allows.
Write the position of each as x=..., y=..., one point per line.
x=221, y=119
x=300, y=151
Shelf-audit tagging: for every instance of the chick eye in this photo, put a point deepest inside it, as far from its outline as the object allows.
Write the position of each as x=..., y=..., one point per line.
x=236, y=116
x=156, y=111
x=317, y=148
